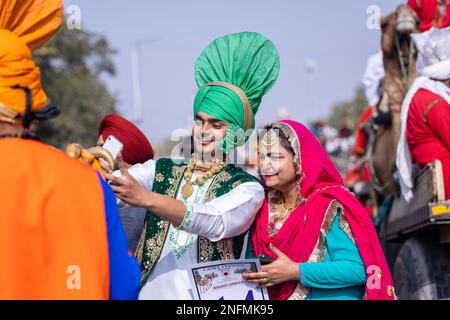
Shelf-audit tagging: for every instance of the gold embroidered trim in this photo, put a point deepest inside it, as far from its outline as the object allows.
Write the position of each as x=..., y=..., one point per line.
x=248, y=113
x=345, y=226
x=140, y=247
x=428, y=109
x=225, y=248
x=221, y=177
x=155, y=245
x=205, y=246
x=205, y=249
x=318, y=254
x=235, y=184
x=159, y=177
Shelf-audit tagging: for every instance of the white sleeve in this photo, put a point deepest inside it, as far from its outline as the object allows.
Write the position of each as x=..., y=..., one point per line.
x=372, y=76
x=226, y=216
x=143, y=173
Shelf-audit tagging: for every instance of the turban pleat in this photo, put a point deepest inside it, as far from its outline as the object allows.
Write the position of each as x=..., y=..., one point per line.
x=137, y=148
x=25, y=25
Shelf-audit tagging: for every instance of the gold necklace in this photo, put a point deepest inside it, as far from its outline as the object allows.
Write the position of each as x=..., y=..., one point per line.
x=188, y=189
x=271, y=228
x=287, y=210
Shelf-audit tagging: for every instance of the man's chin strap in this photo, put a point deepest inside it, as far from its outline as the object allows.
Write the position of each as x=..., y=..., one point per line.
x=234, y=137
x=26, y=118
x=21, y=135
x=48, y=112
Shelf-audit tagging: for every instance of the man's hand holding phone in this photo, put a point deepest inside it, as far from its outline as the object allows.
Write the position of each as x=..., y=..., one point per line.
x=114, y=147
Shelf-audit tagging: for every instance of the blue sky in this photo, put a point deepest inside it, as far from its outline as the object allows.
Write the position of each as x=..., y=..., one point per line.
x=333, y=33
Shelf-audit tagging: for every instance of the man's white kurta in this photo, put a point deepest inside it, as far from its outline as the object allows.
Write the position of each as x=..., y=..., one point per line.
x=225, y=217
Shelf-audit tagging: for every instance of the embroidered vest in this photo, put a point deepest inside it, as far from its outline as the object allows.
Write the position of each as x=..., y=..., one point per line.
x=168, y=177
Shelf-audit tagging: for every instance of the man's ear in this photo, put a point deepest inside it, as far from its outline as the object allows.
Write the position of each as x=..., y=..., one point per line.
x=100, y=140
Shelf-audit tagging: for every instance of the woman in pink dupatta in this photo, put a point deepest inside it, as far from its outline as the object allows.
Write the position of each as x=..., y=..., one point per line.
x=296, y=238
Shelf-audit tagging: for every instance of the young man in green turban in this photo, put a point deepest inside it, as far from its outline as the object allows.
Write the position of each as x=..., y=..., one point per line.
x=201, y=210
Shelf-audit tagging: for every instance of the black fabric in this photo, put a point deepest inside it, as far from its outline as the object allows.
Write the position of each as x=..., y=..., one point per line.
x=49, y=112
x=383, y=118
x=23, y=135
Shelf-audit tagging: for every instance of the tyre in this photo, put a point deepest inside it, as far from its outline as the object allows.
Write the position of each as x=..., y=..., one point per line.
x=417, y=273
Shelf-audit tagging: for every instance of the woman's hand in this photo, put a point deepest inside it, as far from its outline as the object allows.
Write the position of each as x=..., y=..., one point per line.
x=281, y=270
x=127, y=188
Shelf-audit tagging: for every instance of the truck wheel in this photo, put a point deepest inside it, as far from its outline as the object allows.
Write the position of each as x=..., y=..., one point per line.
x=416, y=270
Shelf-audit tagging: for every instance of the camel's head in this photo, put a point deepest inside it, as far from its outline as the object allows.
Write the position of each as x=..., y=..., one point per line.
x=404, y=21
x=398, y=26
x=407, y=20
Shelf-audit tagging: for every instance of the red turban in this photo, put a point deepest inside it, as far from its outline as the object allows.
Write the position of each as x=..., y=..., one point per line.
x=136, y=147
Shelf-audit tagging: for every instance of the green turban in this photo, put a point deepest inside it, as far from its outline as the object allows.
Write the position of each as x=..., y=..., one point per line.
x=233, y=73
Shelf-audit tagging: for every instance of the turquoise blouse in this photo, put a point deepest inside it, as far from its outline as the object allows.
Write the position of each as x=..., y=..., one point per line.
x=341, y=275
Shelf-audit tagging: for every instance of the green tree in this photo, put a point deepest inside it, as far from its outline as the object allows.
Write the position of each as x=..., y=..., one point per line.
x=71, y=66
x=351, y=110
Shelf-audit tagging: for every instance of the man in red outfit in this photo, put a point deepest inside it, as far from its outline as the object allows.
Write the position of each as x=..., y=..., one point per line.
x=136, y=146
x=425, y=134
x=361, y=135
x=432, y=13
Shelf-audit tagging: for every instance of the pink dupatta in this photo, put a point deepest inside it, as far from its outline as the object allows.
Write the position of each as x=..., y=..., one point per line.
x=300, y=234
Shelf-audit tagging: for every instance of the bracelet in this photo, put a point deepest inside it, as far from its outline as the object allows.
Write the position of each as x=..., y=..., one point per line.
x=187, y=218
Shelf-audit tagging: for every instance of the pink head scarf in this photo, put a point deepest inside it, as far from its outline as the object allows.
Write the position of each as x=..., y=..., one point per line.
x=319, y=186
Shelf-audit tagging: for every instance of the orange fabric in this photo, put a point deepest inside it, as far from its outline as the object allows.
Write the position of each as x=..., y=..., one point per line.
x=24, y=26
x=17, y=67
x=52, y=217
x=34, y=21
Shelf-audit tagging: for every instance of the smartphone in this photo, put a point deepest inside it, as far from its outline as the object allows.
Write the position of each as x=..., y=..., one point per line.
x=113, y=145
x=265, y=259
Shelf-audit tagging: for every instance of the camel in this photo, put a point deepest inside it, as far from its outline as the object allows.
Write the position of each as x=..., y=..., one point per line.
x=399, y=59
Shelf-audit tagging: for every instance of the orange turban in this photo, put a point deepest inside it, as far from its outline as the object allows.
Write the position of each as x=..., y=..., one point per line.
x=25, y=25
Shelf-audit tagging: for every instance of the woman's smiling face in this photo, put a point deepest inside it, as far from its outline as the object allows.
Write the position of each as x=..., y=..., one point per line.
x=276, y=165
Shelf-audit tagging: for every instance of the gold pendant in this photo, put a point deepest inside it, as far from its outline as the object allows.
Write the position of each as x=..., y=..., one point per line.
x=187, y=190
